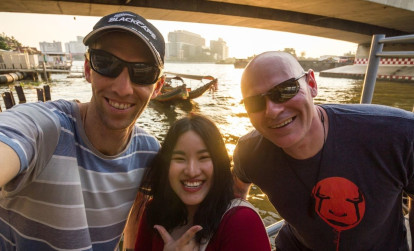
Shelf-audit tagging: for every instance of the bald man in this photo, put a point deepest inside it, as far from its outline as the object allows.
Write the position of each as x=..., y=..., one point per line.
x=336, y=172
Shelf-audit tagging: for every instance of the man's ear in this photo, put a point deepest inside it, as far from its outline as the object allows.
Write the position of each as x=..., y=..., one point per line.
x=87, y=70
x=158, y=86
x=313, y=86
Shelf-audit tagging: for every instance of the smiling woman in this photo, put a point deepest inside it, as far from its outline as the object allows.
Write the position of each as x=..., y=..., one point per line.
x=189, y=193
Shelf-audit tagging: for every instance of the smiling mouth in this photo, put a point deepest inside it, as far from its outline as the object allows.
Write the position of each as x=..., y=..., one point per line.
x=119, y=106
x=283, y=124
x=192, y=184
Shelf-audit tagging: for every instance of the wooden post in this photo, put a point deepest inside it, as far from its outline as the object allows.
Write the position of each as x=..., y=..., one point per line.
x=40, y=94
x=8, y=99
x=20, y=94
x=46, y=89
x=44, y=72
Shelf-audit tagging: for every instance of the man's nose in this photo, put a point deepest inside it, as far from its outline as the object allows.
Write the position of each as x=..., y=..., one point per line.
x=123, y=84
x=273, y=109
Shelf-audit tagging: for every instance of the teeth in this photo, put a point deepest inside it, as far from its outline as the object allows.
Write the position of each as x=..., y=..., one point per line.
x=283, y=123
x=192, y=184
x=119, y=105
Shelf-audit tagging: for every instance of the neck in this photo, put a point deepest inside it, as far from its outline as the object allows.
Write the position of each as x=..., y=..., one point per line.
x=315, y=138
x=107, y=141
x=191, y=212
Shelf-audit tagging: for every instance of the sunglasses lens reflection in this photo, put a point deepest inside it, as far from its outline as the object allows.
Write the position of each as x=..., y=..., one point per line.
x=109, y=65
x=281, y=93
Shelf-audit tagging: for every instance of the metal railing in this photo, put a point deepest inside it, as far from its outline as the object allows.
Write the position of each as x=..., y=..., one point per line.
x=274, y=228
x=375, y=53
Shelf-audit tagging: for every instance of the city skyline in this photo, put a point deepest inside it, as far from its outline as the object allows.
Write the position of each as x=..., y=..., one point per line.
x=242, y=42
x=181, y=45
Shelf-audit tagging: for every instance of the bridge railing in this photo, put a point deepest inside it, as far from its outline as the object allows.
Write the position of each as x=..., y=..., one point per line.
x=375, y=54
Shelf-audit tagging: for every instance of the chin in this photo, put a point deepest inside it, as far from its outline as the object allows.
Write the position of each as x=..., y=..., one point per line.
x=284, y=142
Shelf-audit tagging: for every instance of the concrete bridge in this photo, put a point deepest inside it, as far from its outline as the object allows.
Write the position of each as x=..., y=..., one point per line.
x=348, y=20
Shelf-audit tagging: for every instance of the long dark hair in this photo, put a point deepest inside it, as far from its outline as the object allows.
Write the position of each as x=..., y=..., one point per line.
x=165, y=207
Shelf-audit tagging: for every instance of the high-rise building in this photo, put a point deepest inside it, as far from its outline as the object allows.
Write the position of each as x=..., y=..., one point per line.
x=219, y=49
x=76, y=48
x=184, y=45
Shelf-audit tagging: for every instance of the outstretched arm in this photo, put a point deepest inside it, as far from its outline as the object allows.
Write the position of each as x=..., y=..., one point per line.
x=9, y=164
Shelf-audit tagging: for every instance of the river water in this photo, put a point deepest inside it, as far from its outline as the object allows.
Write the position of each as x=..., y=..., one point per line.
x=224, y=106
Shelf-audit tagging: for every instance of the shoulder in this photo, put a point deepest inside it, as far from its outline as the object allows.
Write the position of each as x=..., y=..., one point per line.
x=143, y=140
x=242, y=216
x=371, y=117
x=252, y=141
x=370, y=110
x=252, y=150
x=61, y=104
x=241, y=229
x=252, y=136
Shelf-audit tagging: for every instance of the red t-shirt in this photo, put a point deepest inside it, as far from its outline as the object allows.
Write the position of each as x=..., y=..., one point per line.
x=240, y=229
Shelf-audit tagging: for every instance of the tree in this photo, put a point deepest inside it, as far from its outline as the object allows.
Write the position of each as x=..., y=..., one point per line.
x=3, y=44
x=7, y=43
x=349, y=54
x=292, y=51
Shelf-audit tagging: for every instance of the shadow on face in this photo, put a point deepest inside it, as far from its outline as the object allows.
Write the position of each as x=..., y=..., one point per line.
x=125, y=46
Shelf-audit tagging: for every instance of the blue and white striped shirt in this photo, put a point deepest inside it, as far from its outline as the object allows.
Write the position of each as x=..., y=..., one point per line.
x=68, y=195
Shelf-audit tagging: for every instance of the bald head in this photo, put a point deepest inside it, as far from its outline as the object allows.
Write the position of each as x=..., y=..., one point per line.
x=269, y=69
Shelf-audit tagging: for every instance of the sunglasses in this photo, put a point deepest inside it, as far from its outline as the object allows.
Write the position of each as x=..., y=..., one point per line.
x=278, y=94
x=111, y=66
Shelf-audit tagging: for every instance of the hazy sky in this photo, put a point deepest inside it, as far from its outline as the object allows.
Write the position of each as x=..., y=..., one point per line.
x=30, y=29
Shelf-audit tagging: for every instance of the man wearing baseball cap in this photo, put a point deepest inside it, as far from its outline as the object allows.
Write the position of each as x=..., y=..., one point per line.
x=69, y=171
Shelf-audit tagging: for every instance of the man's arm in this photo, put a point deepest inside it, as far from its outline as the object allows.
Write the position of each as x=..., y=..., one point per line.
x=241, y=189
x=9, y=164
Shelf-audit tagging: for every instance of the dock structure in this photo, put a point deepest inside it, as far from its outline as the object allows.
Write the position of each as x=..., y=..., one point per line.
x=12, y=75
x=16, y=65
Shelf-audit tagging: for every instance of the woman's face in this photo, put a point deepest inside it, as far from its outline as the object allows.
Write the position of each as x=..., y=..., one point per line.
x=191, y=170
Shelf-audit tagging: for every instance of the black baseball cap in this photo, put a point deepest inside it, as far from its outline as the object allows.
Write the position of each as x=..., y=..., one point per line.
x=135, y=24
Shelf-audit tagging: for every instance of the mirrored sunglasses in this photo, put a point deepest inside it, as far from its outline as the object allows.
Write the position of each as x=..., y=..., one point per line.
x=111, y=66
x=278, y=94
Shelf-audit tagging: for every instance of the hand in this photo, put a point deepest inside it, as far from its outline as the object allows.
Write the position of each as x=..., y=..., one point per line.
x=185, y=243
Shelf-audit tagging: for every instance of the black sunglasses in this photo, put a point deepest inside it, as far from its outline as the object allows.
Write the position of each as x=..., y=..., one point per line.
x=278, y=94
x=111, y=66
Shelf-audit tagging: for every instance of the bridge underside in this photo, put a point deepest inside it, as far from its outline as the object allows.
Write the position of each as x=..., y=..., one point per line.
x=351, y=20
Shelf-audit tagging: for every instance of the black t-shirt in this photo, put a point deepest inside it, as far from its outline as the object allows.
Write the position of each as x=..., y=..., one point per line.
x=349, y=195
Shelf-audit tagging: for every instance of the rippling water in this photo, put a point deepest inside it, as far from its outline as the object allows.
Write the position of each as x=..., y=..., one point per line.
x=225, y=108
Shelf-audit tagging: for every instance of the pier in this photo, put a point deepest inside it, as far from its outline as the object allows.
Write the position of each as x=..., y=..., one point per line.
x=12, y=75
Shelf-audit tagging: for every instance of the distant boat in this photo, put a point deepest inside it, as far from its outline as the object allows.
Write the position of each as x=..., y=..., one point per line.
x=169, y=93
x=241, y=63
x=176, y=89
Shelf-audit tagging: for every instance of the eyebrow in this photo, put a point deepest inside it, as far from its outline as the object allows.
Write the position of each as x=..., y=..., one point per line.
x=183, y=153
